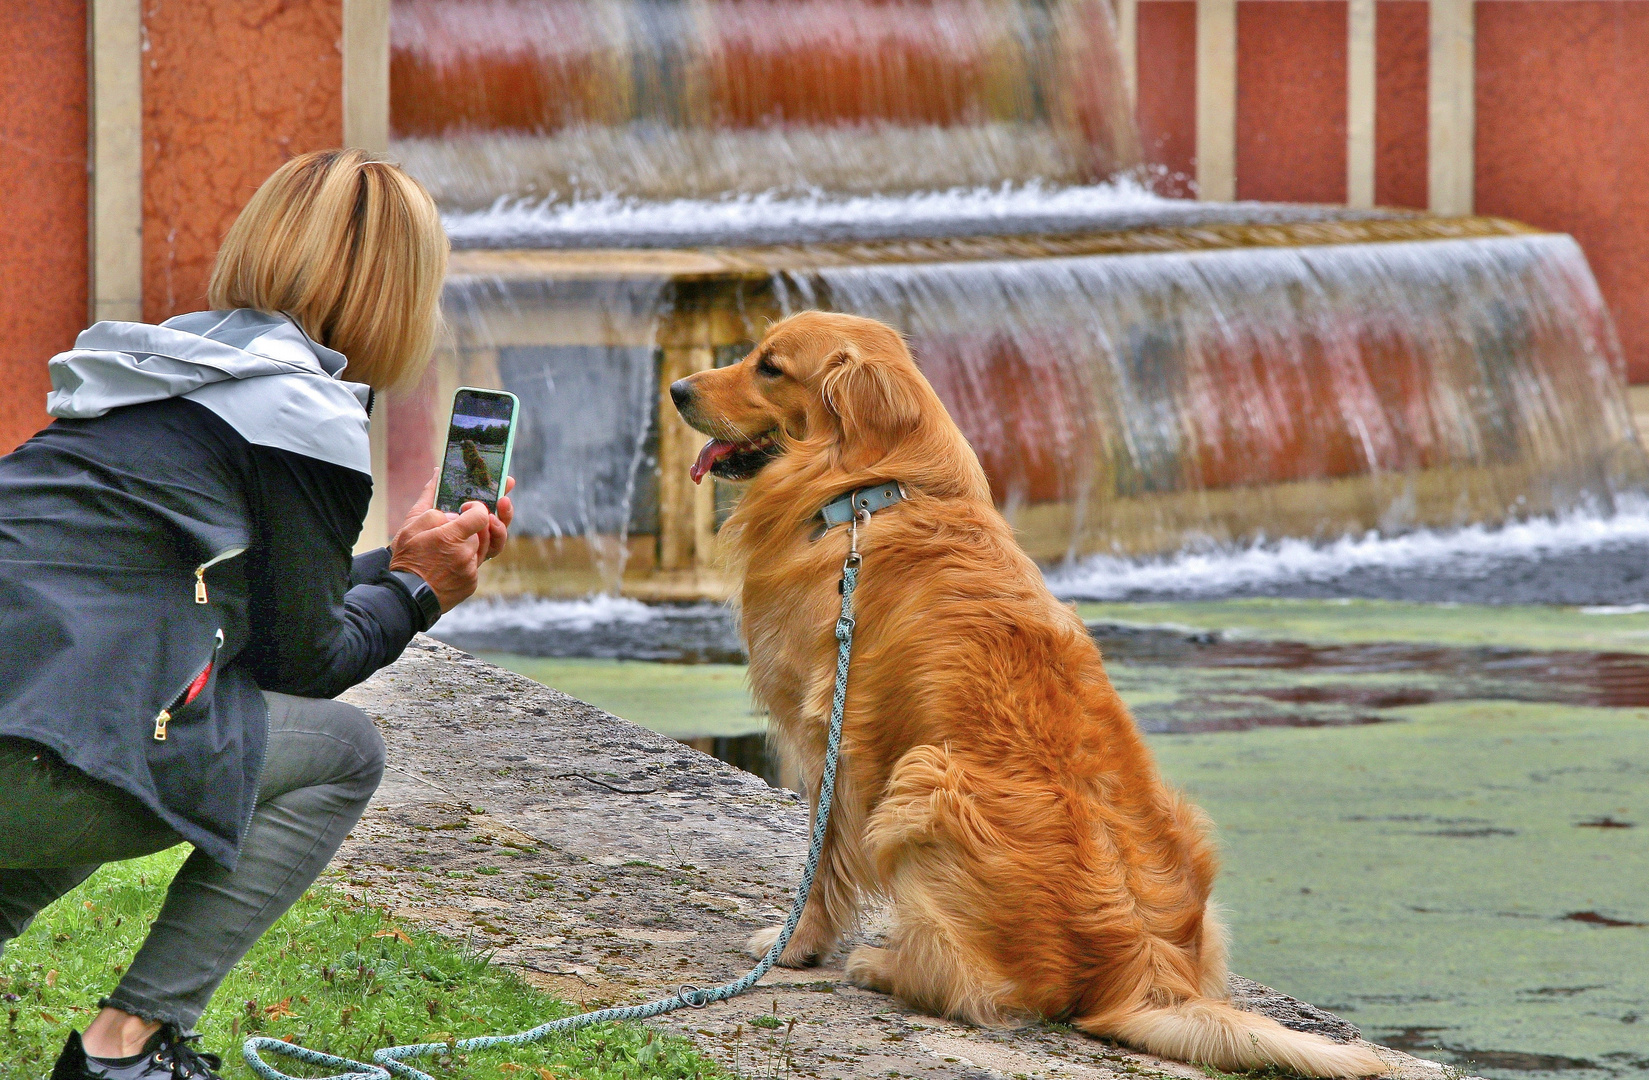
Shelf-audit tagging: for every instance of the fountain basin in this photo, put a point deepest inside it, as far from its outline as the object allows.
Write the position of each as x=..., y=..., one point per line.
x=1137, y=390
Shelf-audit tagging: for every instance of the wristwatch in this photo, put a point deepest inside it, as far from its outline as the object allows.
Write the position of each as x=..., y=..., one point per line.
x=421, y=594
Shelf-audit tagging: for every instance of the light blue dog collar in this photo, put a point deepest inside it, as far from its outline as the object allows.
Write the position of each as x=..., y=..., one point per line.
x=865, y=500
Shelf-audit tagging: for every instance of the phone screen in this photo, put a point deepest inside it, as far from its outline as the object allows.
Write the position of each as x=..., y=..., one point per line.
x=478, y=446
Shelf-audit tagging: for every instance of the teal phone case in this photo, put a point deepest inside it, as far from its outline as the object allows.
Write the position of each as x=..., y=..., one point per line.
x=509, y=442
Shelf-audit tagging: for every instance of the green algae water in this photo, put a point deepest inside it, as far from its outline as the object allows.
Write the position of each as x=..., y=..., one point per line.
x=1466, y=878
x=1460, y=882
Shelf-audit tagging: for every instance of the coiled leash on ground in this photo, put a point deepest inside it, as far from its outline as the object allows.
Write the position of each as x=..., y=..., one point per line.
x=392, y=1059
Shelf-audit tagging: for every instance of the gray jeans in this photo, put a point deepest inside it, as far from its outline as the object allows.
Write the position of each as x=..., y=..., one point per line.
x=57, y=825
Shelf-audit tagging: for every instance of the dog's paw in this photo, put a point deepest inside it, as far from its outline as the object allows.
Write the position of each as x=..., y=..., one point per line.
x=795, y=955
x=867, y=967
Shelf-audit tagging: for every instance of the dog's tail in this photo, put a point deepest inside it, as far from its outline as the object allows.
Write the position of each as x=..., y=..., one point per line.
x=1213, y=1032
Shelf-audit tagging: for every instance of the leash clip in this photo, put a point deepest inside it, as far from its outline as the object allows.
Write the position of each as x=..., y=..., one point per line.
x=693, y=996
x=853, y=535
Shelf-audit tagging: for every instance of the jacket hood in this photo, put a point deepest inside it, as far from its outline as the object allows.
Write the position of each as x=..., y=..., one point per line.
x=258, y=371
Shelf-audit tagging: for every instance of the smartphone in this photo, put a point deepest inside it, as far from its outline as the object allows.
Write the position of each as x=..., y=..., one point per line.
x=480, y=440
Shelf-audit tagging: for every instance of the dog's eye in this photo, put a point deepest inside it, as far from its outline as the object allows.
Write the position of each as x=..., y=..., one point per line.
x=766, y=366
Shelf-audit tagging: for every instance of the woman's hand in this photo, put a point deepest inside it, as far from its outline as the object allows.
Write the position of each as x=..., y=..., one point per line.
x=498, y=529
x=447, y=550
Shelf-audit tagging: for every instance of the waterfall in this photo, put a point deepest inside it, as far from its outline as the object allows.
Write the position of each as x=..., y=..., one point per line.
x=643, y=184
x=561, y=99
x=1162, y=379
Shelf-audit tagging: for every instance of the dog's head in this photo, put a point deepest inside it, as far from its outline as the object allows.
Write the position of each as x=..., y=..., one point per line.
x=819, y=383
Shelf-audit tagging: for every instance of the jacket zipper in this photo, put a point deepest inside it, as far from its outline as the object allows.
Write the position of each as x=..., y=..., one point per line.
x=190, y=691
x=200, y=571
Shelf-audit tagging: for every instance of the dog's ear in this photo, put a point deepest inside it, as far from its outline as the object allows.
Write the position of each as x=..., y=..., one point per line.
x=873, y=402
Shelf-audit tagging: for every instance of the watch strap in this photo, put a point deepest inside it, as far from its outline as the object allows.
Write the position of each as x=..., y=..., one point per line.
x=419, y=592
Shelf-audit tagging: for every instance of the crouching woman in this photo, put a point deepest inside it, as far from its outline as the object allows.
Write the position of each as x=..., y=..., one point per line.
x=178, y=601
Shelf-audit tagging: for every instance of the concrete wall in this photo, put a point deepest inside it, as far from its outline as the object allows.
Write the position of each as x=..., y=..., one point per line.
x=231, y=89
x=43, y=248
x=1563, y=137
x=134, y=131
x=1533, y=109
x=1291, y=100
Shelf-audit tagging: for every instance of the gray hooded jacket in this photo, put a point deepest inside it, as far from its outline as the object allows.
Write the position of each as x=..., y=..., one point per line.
x=178, y=539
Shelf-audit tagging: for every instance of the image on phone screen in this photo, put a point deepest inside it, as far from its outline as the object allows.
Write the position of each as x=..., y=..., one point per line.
x=477, y=453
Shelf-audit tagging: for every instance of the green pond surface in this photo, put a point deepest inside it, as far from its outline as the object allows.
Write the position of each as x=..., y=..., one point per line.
x=1466, y=879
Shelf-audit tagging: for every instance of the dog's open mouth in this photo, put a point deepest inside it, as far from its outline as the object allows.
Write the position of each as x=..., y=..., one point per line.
x=736, y=460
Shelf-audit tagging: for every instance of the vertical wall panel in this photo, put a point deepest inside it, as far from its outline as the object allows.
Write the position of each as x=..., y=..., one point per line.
x=1291, y=100
x=43, y=243
x=230, y=91
x=1167, y=102
x=1563, y=138
x=1401, y=47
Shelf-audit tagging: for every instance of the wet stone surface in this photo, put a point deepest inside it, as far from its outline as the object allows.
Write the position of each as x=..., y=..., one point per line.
x=609, y=864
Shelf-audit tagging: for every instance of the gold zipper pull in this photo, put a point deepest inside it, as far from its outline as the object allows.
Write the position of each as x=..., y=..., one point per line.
x=200, y=584
x=160, y=725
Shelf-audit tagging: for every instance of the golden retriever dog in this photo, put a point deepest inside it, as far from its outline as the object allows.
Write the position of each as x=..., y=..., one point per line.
x=993, y=786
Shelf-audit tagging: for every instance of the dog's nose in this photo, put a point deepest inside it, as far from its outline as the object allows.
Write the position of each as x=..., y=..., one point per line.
x=681, y=392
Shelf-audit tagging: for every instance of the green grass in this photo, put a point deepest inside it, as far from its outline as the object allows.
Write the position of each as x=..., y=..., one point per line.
x=333, y=974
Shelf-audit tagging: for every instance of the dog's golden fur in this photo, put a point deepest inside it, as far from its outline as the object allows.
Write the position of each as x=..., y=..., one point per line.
x=993, y=785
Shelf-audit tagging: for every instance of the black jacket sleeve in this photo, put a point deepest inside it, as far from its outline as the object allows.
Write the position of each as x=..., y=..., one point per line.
x=321, y=621
x=369, y=567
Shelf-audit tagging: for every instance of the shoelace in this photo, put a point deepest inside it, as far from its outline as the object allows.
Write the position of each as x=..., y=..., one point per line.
x=185, y=1060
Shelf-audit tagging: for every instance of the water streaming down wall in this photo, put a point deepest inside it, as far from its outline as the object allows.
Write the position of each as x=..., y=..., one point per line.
x=586, y=443
x=656, y=99
x=1137, y=374
x=1138, y=402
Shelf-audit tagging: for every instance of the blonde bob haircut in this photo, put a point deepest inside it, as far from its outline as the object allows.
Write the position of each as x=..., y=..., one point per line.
x=350, y=248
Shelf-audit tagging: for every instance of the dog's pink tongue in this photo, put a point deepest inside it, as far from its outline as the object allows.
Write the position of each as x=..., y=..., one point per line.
x=713, y=451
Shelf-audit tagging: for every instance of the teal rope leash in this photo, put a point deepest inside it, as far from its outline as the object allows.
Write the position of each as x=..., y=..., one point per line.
x=392, y=1059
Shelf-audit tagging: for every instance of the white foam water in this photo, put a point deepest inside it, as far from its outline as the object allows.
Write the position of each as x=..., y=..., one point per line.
x=1550, y=556
x=492, y=614
x=814, y=216
x=614, y=215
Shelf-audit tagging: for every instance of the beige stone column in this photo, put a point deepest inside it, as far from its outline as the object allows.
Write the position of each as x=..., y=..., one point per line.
x=686, y=514
x=366, y=125
x=1452, y=107
x=1217, y=100
x=366, y=74
x=1127, y=24
x=1360, y=102
x=115, y=63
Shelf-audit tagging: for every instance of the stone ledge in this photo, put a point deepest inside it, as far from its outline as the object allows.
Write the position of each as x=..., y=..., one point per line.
x=607, y=863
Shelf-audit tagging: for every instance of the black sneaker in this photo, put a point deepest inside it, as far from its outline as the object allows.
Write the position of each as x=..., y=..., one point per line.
x=166, y=1056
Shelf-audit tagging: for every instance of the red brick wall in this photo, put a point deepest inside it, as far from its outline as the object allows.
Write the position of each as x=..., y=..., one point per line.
x=1563, y=138
x=1402, y=36
x=231, y=89
x=1167, y=103
x=43, y=280
x=1291, y=100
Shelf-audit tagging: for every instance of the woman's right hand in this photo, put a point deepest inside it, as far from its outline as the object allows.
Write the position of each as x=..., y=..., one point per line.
x=444, y=549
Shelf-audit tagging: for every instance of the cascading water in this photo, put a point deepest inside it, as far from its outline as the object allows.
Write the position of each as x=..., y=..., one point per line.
x=557, y=99
x=656, y=178
x=1489, y=364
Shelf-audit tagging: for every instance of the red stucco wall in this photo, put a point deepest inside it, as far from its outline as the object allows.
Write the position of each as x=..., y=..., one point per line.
x=1402, y=37
x=1563, y=138
x=1291, y=100
x=1167, y=103
x=230, y=91
x=43, y=301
